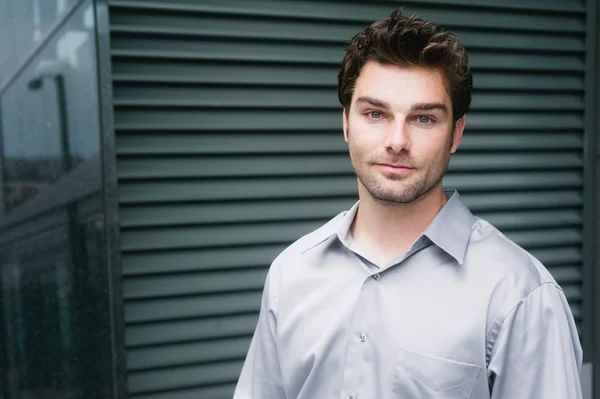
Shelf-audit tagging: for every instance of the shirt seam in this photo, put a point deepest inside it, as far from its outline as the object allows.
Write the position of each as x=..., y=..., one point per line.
x=492, y=342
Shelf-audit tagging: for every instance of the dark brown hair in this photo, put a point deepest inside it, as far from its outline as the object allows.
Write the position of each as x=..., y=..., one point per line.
x=409, y=41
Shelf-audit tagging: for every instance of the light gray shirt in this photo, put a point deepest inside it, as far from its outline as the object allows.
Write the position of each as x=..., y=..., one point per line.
x=465, y=313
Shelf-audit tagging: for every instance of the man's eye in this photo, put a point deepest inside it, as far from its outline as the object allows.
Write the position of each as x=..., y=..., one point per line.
x=375, y=115
x=424, y=120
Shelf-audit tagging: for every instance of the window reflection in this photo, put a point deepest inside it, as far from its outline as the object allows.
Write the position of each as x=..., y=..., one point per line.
x=45, y=114
x=55, y=336
x=23, y=24
x=29, y=169
x=37, y=317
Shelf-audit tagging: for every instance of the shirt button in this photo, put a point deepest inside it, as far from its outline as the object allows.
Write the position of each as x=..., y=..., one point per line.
x=377, y=276
x=363, y=337
x=352, y=397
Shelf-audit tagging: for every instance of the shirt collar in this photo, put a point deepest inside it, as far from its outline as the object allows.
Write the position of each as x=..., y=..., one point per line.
x=449, y=230
x=451, y=227
x=343, y=230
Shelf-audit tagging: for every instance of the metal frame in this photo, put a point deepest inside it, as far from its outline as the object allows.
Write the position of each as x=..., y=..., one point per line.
x=591, y=279
x=110, y=197
x=2, y=177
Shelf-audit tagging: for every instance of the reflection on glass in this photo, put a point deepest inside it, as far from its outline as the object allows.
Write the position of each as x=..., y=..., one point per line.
x=55, y=336
x=26, y=176
x=23, y=24
x=45, y=114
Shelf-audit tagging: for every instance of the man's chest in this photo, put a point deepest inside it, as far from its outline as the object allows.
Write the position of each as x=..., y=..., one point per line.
x=381, y=328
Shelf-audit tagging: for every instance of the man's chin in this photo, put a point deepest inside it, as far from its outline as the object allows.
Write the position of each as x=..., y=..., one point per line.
x=396, y=195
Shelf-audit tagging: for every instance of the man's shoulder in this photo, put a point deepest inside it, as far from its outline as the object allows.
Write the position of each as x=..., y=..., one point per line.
x=310, y=240
x=504, y=258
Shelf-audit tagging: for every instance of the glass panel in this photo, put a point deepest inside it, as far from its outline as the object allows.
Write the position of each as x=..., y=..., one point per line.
x=46, y=113
x=55, y=330
x=55, y=335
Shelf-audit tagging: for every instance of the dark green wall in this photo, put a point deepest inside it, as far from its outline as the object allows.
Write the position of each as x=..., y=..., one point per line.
x=230, y=147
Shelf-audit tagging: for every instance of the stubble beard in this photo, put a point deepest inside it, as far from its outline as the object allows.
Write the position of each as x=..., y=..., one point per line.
x=395, y=190
x=392, y=191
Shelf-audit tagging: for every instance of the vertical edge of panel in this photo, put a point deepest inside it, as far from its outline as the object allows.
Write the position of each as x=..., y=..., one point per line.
x=110, y=198
x=589, y=302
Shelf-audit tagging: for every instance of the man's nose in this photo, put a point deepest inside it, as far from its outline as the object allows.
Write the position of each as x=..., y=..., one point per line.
x=397, y=139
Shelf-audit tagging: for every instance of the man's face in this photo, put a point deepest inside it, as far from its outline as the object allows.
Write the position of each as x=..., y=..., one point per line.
x=399, y=130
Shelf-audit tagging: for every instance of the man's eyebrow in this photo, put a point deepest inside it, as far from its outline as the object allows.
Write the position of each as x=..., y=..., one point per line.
x=373, y=101
x=428, y=107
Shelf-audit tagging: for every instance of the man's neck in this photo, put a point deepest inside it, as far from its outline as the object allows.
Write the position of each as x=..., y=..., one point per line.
x=387, y=230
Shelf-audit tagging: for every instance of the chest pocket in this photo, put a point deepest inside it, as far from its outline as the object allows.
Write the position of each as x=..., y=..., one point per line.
x=422, y=376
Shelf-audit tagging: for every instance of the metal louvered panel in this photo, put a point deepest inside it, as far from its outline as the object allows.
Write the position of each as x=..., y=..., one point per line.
x=229, y=148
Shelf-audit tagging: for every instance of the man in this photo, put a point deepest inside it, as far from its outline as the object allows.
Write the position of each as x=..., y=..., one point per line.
x=407, y=294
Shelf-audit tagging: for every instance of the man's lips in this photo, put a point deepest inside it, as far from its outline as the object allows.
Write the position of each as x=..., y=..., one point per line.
x=395, y=169
x=395, y=166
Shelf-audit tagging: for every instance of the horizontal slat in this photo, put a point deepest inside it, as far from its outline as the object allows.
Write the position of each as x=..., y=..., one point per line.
x=184, y=377
x=498, y=14
x=298, y=165
x=165, y=143
x=169, y=71
x=312, y=98
x=517, y=181
x=526, y=102
x=195, y=237
x=561, y=256
x=298, y=209
x=533, y=219
x=135, y=264
x=141, y=216
x=208, y=27
x=190, y=330
x=510, y=201
x=473, y=141
x=546, y=238
x=221, y=391
x=567, y=274
x=188, y=307
x=188, y=353
x=197, y=283
x=219, y=167
x=319, y=186
x=271, y=233
x=216, y=120
x=317, y=54
x=527, y=81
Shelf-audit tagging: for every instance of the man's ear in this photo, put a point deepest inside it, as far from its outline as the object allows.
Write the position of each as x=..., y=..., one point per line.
x=345, y=124
x=459, y=127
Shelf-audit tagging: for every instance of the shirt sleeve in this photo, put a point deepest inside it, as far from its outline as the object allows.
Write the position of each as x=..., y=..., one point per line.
x=537, y=353
x=261, y=375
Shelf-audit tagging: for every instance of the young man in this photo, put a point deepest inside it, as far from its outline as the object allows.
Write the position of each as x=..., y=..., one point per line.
x=407, y=294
